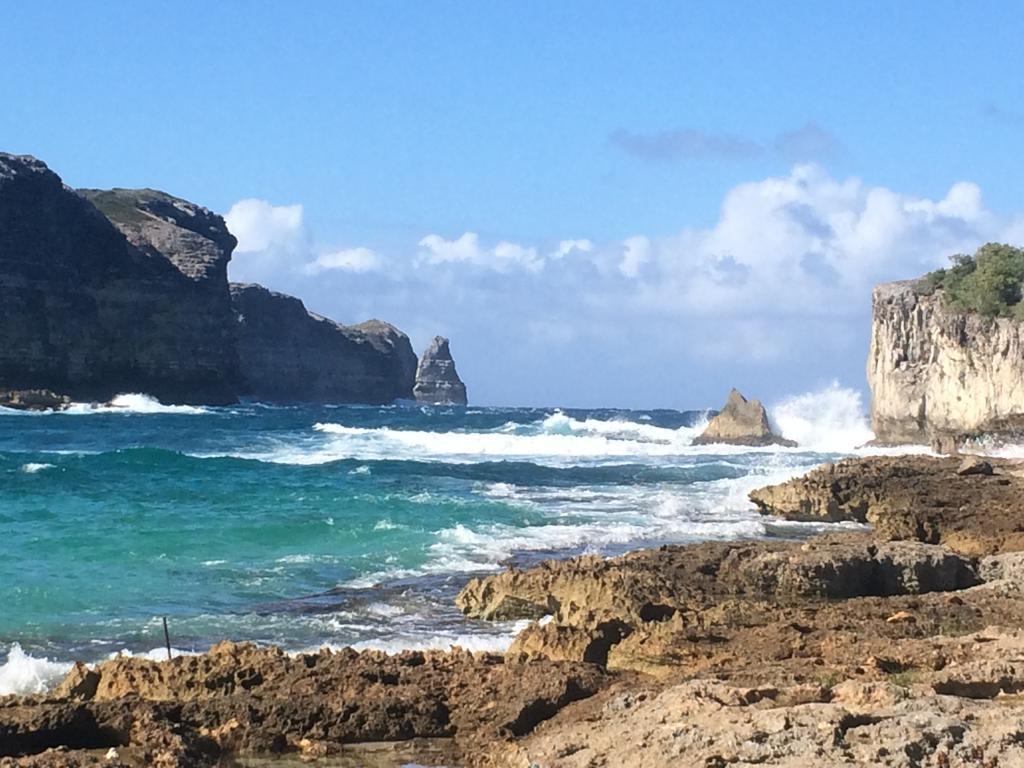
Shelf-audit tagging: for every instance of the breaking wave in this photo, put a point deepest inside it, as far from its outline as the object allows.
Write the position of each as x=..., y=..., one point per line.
x=134, y=403
x=22, y=673
x=830, y=420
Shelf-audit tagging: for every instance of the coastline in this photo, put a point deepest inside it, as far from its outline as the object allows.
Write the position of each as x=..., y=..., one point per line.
x=859, y=646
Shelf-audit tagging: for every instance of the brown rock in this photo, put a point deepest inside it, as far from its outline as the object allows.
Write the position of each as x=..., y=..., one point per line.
x=972, y=465
x=741, y=422
x=910, y=497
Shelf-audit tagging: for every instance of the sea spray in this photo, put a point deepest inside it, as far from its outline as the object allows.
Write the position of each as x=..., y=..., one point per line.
x=22, y=673
x=830, y=420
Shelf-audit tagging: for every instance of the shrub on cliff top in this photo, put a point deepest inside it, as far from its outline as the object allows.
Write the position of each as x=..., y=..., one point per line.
x=991, y=282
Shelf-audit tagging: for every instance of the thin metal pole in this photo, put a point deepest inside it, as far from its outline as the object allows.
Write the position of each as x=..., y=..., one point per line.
x=167, y=639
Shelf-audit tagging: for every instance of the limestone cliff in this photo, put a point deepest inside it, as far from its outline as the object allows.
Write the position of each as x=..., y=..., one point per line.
x=87, y=313
x=437, y=381
x=288, y=354
x=937, y=374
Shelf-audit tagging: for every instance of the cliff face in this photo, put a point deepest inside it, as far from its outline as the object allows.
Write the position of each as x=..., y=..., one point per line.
x=86, y=312
x=437, y=381
x=935, y=373
x=289, y=354
x=125, y=290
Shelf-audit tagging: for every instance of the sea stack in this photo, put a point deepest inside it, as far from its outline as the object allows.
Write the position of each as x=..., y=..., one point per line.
x=741, y=422
x=437, y=381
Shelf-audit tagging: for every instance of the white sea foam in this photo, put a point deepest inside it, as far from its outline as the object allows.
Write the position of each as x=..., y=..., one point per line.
x=22, y=673
x=133, y=403
x=555, y=440
x=492, y=642
x=32, y=467
x=832, y=419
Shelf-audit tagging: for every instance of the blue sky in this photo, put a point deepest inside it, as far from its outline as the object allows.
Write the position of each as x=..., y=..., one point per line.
x=622, y=204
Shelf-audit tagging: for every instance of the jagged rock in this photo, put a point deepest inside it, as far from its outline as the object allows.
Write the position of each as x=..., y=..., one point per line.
x=937, y=373
x=972, y=465
x=241, y=697
x=88, y=314
x=289, y=354
x=80, y=683
x=741, y=422
x=33, y=400
x=437, y=381
x=910, y=497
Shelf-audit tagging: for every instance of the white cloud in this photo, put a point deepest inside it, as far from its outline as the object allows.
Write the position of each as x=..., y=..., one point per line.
x=804, y=243
x=347, y=260
x=636, y=251
x=565, y=247
x=434, y=249
x=467, y=249
x=261, y=226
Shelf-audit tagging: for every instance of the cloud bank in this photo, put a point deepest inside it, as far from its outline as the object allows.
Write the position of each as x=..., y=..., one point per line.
x=774, y=296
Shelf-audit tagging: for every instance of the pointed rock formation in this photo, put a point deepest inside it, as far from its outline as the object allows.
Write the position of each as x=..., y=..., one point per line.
x=741, y=422
x=437, y=381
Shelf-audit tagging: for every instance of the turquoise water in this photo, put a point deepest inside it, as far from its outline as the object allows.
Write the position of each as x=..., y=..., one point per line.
x=340, y=525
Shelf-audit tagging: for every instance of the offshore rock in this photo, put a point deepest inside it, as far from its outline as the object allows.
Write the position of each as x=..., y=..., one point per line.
x=741, y=422
x=33, y=400
x=288, y=354
x=938, y=376
x=437, y=381
x=88, y=314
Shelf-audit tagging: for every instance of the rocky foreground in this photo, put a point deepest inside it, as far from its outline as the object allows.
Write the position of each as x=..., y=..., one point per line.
x=899, y=647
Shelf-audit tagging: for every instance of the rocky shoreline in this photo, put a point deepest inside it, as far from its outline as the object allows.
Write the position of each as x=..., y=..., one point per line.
x=898, y=647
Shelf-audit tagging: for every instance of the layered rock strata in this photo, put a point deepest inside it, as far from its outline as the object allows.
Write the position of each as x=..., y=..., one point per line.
x=938, y=375
x=289, y=354
x=741, y=422
x=437, y=381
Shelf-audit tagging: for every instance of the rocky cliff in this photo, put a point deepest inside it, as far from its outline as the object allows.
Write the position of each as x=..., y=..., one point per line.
x=289, y=354
x=437, y=381
x=937, y=374
x=88, y=312
x=125, y=290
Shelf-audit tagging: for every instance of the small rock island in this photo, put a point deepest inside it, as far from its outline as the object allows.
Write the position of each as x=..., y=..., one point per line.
x=741, y=422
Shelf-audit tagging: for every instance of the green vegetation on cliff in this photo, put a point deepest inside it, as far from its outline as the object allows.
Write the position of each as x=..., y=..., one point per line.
x=990, y=282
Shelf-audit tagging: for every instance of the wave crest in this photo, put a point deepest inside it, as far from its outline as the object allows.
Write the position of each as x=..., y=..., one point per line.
x=829, y=420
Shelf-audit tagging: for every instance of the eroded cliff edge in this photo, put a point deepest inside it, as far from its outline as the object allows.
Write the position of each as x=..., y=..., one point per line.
x=936, y=373
x=126, y=290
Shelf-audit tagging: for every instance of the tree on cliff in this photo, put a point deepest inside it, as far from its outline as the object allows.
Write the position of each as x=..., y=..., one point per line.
x=989, y=282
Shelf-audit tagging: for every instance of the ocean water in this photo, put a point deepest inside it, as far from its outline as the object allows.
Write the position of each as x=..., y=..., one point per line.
x=310, y=526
